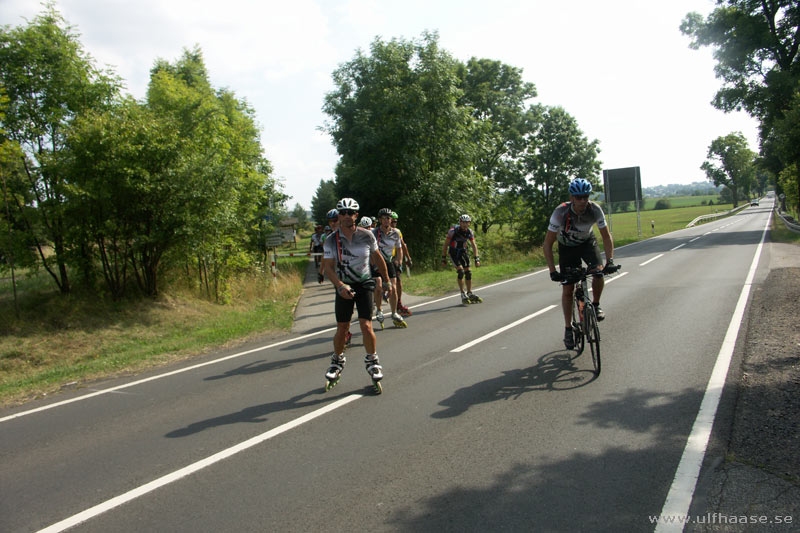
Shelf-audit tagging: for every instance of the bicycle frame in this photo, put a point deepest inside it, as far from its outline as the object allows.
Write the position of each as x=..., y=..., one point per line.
x=584, y=319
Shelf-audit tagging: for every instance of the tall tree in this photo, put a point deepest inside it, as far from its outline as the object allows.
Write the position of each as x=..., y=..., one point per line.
x=556, y=154
x=404, y=140
x=497, y=96
x=49, y=80
x=323, y=201
x=756, y=45
x=731, y=163
x=756, y=49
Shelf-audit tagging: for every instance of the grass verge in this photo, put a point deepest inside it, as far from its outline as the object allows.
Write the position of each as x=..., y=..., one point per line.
x=59, y=340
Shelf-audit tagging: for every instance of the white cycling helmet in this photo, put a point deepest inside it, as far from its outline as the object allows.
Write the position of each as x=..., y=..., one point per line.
x=464, y=218
x=347, y=203
x=365, y=222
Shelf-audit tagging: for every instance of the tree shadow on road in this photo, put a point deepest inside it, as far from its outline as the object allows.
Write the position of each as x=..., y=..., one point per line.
x=615, y=488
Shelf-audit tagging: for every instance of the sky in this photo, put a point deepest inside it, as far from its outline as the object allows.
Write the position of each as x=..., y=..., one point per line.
x=621, y=68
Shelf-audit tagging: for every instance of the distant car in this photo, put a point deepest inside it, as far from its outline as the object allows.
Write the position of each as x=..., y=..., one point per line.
x=754, y=202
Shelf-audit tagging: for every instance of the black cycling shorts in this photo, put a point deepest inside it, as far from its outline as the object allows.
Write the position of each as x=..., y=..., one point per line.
x=571, y=256
x=460, y=257
x=363, y=301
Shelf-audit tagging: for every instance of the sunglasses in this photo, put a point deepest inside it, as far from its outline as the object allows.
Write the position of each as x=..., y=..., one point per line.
x=350, y=212
x=581, y=196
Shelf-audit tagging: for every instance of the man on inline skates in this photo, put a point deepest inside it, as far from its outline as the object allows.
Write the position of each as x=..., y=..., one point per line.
x=571, y=225
x=401, y=309
x=348, y=252
x=456, y=241
x=389, y=240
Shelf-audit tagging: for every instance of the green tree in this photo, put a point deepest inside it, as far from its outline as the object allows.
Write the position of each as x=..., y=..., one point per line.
x=49, y=80
x=323, y=201
x=404, y=141
x=756, y=49
x=731, y=163
x=497, y=96
x=558, y=153
x=299, y=213
x=787, y=141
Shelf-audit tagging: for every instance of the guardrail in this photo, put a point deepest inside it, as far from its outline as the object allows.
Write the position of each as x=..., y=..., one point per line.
x=703, y=218
x=793, y=226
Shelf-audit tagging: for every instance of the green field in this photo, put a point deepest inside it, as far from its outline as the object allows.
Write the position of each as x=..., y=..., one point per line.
x=681, y=201
x=624, y=226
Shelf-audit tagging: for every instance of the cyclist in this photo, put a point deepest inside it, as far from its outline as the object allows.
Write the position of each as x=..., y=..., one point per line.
x=571, y=225
x=456, y=241
x=348, y=252
x=402, y=309
x=316, y=244
x=389, y=244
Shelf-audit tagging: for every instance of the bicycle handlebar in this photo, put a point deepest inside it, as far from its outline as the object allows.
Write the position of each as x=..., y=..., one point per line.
x=576, y=274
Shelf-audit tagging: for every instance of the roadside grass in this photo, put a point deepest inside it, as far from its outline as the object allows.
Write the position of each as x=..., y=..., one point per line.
x=443, y=281
x=71, y=339
x=780, y=233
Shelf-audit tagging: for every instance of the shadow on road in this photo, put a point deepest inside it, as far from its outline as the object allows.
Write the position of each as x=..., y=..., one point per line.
x=555, y=371
x=541, y=495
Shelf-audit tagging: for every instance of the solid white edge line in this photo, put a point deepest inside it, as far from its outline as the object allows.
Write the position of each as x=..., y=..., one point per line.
x=680, y=495
x=501, y=330
x=651, y=260
x=194, y=467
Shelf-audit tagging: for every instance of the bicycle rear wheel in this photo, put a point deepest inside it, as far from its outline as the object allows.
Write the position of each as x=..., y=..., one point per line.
x=577, y=325
x=593, y=336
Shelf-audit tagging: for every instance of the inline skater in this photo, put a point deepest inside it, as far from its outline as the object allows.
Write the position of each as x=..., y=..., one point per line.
x=456, y=241
x=571, y=226
x=316, y=245
x=348, y=252
x=388, y=240
x=402, y=309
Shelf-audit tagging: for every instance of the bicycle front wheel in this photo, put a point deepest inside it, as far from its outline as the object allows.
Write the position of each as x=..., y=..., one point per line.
x=577, y=325
x=593, y=336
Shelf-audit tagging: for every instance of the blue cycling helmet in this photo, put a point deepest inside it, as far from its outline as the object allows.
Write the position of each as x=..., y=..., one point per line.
x=580, y=186
x=333, y=214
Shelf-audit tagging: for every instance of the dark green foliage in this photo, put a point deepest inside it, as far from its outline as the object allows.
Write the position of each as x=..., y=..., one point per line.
x=662, y=204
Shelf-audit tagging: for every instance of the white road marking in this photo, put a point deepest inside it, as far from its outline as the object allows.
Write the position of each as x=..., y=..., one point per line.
x=501, y=330
x=194, y=467
x=694, y=239
x=679, y=246
x=681, y=492
x=651, y=260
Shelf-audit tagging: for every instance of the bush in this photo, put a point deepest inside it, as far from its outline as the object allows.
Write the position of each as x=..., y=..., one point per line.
x=662, y=204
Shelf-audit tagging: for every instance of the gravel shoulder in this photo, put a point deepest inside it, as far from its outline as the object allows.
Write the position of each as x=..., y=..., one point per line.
x=757, y=471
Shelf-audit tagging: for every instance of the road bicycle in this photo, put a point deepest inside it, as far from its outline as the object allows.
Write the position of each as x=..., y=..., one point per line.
x=584, y=320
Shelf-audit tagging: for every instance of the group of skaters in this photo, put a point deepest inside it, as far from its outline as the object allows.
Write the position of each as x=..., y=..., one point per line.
x=364, y=258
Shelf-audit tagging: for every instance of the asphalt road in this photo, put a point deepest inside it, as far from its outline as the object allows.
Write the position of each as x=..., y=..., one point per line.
x=510, y=433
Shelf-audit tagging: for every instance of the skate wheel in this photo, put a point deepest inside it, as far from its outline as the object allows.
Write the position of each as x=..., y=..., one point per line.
x=331, y=384
x=376, y=385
